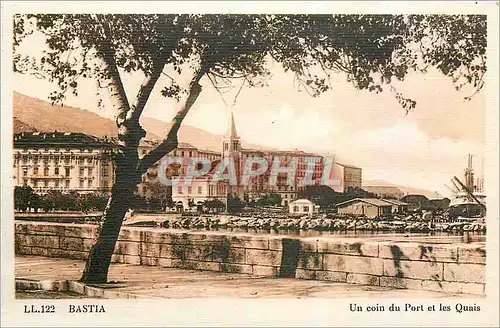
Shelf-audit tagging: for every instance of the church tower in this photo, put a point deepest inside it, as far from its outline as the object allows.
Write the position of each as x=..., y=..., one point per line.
x=231, y=150
x=231, y=142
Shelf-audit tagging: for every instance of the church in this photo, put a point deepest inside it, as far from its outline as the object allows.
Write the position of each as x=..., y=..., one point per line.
x=203, y=188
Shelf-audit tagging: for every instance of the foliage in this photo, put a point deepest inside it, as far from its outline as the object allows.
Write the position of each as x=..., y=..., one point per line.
x=54, y=200
x=371, y=50
x=159, y=196
x=25, y=198
x=269, y=200
x=235, y=204
x=214, y=205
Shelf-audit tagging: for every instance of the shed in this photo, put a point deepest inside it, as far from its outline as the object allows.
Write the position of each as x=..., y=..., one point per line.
x=370, y=207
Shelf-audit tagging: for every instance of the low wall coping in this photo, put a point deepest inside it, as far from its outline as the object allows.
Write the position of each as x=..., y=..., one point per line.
x=371, y=240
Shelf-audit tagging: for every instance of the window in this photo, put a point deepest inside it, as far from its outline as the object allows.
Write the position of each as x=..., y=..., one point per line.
x=46, y=160
x=25, y=159
x=179, y=190
x=89, y=160
x=56, y=171
x=190, y=190
x=35, y=183
x=82, y=171
x=56, y=159
x=66, y=171
x=25, y=182
x=80, y=160
x=305, y=209
x=89, y=183
x=89, y=171
x=56, y=183
x=200, y=189
x=46, y=183
x=286, y=195
x=66, y=159
x=35, y=170
x=35, y=159
x=25, y=171
x=45, y=171
x=226, y=146
x=66, y=183
x=82, y=183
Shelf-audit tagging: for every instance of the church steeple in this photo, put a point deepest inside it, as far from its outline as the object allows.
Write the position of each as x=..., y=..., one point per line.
x=231, y=132
x=231, y=142
x=231, y=150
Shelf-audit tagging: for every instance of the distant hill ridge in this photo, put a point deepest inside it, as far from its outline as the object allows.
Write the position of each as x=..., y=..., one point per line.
x=404, y=189
x=33, y=114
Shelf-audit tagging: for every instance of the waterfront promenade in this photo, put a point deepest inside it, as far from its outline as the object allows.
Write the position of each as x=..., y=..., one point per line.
x=145, y=282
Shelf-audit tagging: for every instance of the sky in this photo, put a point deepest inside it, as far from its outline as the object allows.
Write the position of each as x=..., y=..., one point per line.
x=421, y=149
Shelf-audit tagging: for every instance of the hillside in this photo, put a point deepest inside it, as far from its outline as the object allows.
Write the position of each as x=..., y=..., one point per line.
x=187, y=133
x=43, y=116
x=406, y=190
x=20, y=126
x=31, y=114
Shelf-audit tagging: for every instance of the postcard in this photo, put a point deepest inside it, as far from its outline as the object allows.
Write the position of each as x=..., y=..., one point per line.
x=250, y=164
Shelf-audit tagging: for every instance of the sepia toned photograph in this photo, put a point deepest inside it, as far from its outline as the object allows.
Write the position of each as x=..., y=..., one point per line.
x=160, y=156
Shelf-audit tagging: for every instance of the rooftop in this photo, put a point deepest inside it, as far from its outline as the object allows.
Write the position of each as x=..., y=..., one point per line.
x=62, y=139
x=348, y=165
x=395, y=202
x=372, y=201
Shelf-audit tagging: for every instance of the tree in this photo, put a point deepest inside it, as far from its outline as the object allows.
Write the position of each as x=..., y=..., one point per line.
x=371, y=50
x=214, y=205
x=159, y=194
x=270, y=200
x=235, y=204
x=323, y=196
x=24, y=198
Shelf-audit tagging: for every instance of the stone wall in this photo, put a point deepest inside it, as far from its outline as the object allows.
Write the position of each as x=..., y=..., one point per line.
x=438, y=267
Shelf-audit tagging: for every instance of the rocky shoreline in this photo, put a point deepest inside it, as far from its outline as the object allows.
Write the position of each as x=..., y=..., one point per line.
x=404, y=224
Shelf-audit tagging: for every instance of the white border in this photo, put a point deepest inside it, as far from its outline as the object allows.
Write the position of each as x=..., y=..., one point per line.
x=236, y=312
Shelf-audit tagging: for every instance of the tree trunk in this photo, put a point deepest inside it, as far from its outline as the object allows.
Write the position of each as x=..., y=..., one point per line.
x=96, y=268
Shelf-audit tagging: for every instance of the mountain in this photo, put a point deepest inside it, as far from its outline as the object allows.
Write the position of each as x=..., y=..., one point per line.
x=42, y=116
x=406, y=190
x=32, y=114
x=20, y=126
x=197, y=137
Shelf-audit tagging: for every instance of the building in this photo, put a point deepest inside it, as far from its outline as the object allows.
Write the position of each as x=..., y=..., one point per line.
x=385, y=191
x=250, y=187
x=62, y=161
x=262, y=184
x=200, y=190
x=398, y=206
x=369, y=207
x=303, y=207
x=350, y=177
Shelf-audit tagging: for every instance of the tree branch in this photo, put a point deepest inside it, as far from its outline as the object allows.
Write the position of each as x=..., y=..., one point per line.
x=116, y=88
x=145, y=90
x=171, y=141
